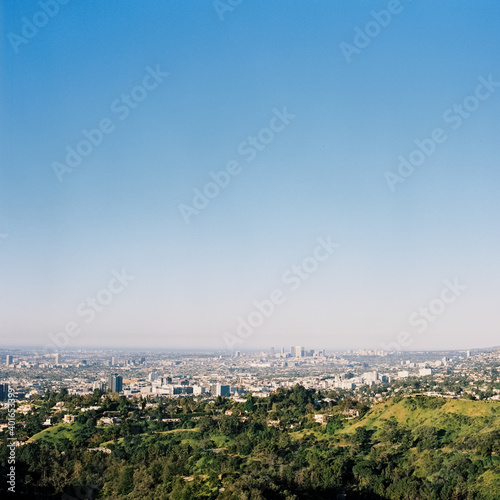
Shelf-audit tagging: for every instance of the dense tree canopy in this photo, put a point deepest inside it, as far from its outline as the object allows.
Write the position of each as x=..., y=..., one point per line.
x=263, y=448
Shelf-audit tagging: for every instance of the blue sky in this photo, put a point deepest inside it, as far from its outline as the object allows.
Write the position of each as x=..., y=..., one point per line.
x=322, y=175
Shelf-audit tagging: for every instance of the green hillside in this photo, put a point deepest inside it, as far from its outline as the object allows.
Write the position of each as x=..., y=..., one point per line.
x=448, y=414
x=58, y=432
x=404, y=448
x=434, y=440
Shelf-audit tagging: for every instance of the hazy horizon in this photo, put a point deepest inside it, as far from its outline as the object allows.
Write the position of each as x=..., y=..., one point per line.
x=51, y=348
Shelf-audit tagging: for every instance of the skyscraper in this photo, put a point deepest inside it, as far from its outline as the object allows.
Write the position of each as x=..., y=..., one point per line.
x=57, y=359
x=115, y=383
x=299, y=351
x=4, y=391
x=222, y=390
x=9, y=360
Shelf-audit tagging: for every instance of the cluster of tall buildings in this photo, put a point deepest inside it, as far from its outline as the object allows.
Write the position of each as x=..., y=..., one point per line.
x=114, y=383
x=161, y=385
x=165, y=385
x=9, y=360
x=128, y=362
x=297, y=352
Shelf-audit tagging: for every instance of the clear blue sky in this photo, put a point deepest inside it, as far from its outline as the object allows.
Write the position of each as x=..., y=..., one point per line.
x=322, y=175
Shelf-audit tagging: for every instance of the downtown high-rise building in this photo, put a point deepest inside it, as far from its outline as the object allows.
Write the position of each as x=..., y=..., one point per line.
x=4, y=391
x=115, y=383
x=221, y=390
x=9, y=360
x=298, y=351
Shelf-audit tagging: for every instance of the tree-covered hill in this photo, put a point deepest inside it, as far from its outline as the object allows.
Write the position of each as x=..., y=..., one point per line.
x=412, y=448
